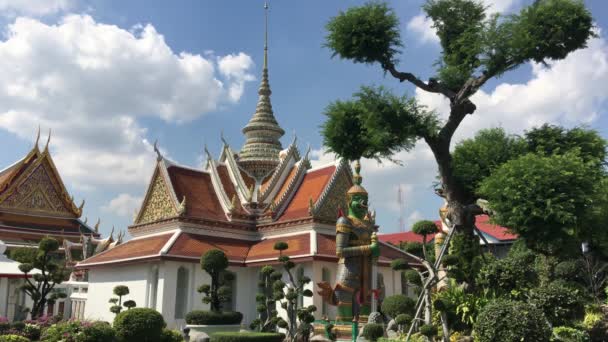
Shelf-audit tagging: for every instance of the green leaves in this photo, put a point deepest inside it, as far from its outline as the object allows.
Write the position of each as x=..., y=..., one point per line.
x=425, y=227
x=214, y=261
x=121, y=290
x=543, y=198
x=375, y=124
x=365, y=34
x=551, y=29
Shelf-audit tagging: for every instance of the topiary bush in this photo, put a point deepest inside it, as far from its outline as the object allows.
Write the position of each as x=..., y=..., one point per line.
x=169, y=335
x=561, y=303
x=202, y=317
x=98, y=332
x=511, y=321
x=568, y=334
x=398, y=304
x=247, y=337
x=373, y=331
x=428, y=330
x=13, y=338
x=139, y=324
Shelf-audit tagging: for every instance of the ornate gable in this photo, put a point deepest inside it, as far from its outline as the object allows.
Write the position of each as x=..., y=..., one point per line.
x=334, y=194
x=38, y=188
x=159, y=203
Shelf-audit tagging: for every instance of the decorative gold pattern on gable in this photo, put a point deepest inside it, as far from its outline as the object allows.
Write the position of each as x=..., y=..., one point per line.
x=336, y=198
x=37, y=192
x=159, y=204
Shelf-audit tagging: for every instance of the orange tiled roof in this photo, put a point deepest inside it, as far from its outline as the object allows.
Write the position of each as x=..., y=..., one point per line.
x=193, y=245
x=139, y=248
x=285, y=185
x=248, y=180
x=298, y=245
x=312, y=187
x=201, y=200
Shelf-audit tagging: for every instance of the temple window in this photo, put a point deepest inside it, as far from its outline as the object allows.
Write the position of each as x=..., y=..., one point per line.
x=153, y=287
x=181, y=293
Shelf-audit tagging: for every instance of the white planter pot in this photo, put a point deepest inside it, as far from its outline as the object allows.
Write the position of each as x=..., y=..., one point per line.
x=196, y=330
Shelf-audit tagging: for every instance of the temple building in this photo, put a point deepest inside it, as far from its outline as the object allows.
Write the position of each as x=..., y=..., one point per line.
x=34, y=203
x=241, y=202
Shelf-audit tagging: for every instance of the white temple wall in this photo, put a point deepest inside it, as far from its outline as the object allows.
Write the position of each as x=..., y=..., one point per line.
x=101, y=285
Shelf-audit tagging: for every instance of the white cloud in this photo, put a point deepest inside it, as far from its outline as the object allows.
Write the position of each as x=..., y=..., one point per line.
x=33, y=7
x=123, y=205
x=422, y=26
x=90, y=82
x=236, y=68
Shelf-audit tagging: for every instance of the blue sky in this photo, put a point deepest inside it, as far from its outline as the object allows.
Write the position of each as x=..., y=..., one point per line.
x=110, y=77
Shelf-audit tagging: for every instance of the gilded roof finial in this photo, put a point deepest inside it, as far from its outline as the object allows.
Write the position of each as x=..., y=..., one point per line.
x=357, y=179
x=159, y=156
x=37, y=137
x=48, y=140
x=182, y=207
x=97, y=225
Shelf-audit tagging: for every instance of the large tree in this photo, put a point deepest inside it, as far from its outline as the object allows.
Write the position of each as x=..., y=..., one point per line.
x=475, y=48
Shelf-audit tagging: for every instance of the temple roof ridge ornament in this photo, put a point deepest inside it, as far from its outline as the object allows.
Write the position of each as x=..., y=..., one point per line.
x=281, y=171
x=260, y=153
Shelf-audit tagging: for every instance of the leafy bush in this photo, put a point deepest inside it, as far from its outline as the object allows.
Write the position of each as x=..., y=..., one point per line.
x=63, y=331
x=373, y=331
x=567, y=334
x=169, y=335
x=511, y=321
x=247, y=337
x=31, y=331
x=398, y=304
x=428, y=330
x=562, y=304
x=202, y=317
x=139, y=324
x=507, y=276
x=13, y=338
x=98, y=332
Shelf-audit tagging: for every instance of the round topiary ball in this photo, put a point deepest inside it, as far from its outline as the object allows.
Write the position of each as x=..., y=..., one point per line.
x=373, y=331
x=398, y=304
x=139, y=324
x=506, y=320
x=121, y=290
x=48, y=244
x=425, y=227
x=214, y=261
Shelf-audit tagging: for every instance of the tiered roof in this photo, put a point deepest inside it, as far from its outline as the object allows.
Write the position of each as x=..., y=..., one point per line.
x=34, y=202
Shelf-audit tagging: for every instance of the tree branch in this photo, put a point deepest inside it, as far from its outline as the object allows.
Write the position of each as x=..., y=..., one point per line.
x=431, y=87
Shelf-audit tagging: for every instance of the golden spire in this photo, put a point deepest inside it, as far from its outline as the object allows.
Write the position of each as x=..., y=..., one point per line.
x=260, y=153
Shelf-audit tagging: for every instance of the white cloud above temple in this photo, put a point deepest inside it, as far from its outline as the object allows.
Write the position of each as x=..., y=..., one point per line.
x=91, y=83
x=123, y=205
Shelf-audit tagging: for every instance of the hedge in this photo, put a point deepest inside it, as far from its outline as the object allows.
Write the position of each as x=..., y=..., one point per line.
x=139, y=324
x=203, y=317
x=246, y=337
x=373, y=331
x=13, y=338
x=398, y=304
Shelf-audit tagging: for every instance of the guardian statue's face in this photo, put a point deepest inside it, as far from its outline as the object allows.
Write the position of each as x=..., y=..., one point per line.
x=358, y=206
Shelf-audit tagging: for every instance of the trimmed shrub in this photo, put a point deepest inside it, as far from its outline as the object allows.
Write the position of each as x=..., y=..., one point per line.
x=246, y=337
x=567, y=334
x=511, y=321
x=169, y=335
x=13, y=338
x=139, y=324
x=398, y=304
x=58, y=332
x=203, y=317
x=373, y=331
x=98, y=332
x=428, y=330
x=562, y=304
